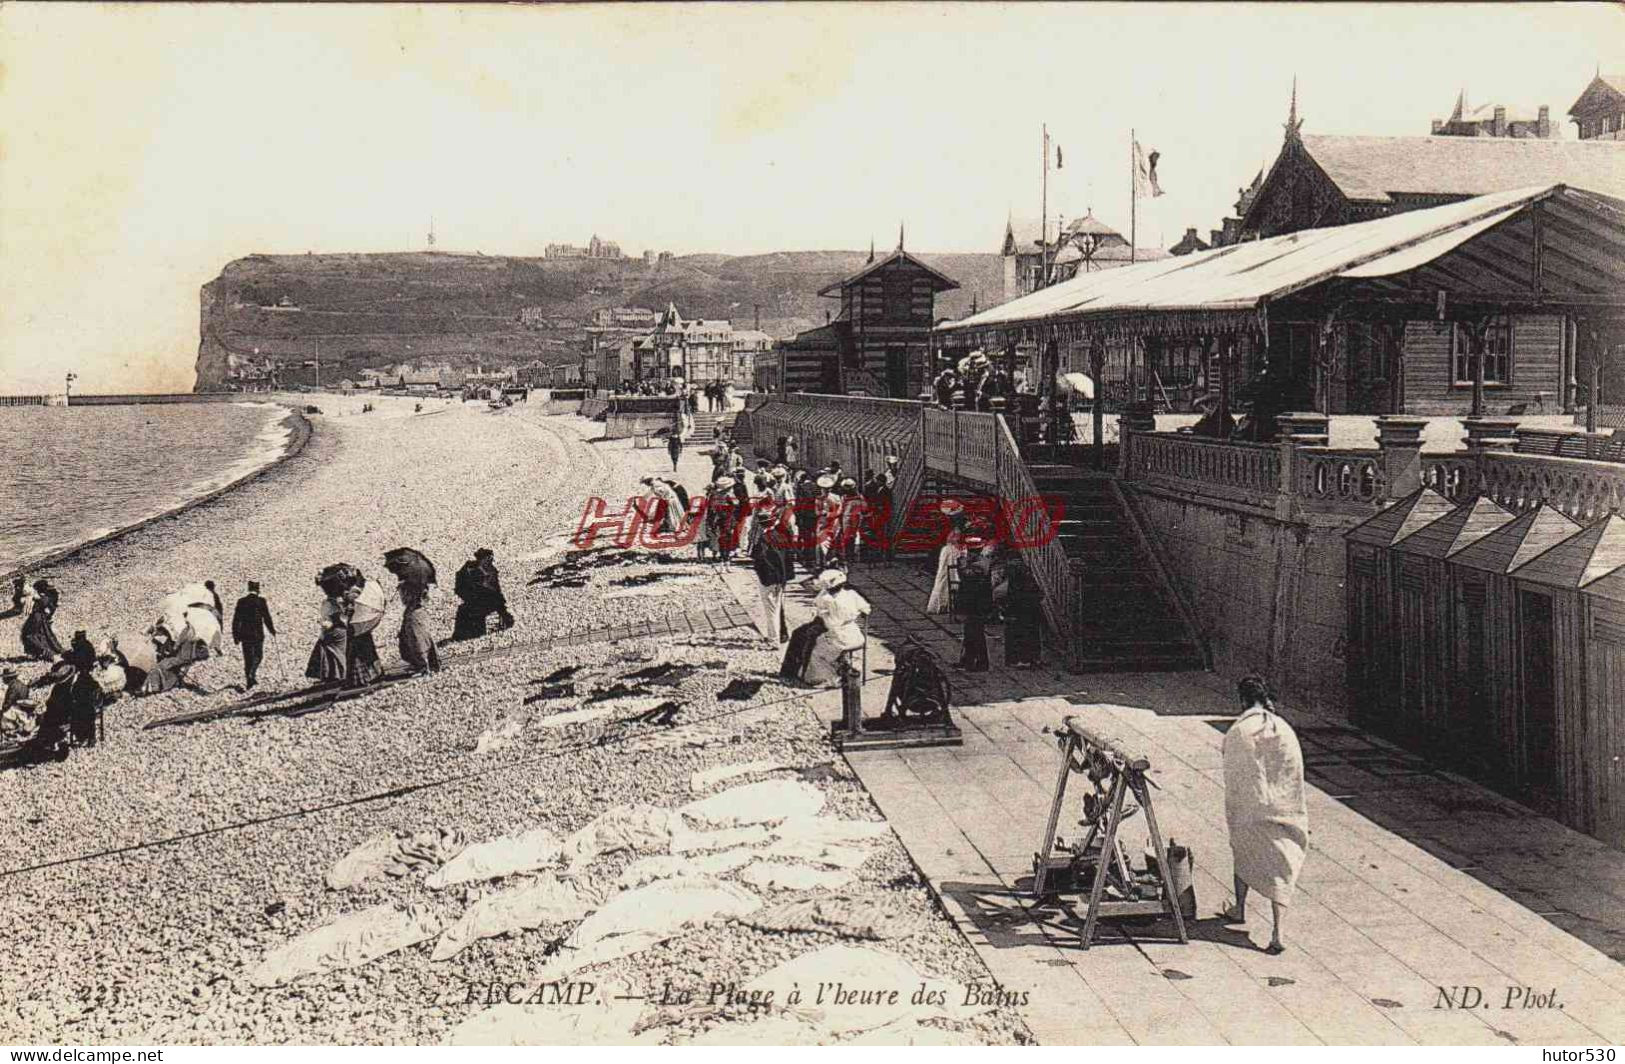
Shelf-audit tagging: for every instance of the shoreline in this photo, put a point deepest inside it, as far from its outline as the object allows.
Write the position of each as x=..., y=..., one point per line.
x=301, y=429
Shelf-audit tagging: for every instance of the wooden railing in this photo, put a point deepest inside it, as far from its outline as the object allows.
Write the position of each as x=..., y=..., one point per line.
x=1246, y=473
x=1582, y=489
x=1453, y=475
x=1063, y=595
x=962, y=444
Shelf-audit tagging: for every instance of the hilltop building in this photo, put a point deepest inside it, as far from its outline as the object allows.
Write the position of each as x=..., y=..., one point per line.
x=595, y=249
x=1599, y=113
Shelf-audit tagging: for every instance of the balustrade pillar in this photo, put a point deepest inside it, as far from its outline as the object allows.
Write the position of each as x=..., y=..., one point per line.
x=1487, y=435
x=1298, y=430
x=1137, y=416
x=1399, y=437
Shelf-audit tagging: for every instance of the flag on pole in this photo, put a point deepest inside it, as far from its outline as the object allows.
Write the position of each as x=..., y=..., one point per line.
x=1145, y=172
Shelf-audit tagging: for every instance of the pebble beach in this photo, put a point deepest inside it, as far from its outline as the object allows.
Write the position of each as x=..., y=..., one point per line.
x=166, y=886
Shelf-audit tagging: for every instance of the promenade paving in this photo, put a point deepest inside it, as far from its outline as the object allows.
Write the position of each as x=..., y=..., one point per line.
x=1416, y=880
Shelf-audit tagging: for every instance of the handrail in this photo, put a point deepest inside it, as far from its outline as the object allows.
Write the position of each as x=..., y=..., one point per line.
x=1048, y=561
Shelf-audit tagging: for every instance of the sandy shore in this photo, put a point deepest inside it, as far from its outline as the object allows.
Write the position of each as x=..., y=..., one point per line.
x=159, y=869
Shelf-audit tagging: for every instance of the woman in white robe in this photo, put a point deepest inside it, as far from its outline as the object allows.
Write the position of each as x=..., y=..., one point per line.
x=841, y=609
x=948, y=558
x=1264, y=805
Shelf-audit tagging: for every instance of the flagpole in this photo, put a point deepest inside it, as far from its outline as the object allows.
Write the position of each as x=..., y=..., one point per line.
x=1043, y=223
x=1133, y=198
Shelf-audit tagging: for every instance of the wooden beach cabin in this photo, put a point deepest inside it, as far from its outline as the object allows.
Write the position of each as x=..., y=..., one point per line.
x=880, y=343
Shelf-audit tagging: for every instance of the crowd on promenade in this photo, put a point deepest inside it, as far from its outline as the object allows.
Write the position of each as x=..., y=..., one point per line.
x=781, y=516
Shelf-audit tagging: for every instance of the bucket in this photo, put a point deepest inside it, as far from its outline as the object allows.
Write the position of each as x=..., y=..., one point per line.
x=1181, y=870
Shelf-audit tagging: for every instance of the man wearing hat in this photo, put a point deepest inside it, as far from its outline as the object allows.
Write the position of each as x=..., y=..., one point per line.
x=250, y=621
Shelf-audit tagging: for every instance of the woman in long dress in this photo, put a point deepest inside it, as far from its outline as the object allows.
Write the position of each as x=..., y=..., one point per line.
x=1264, y=805
x=841, y=609
x=330, y=656
x=953, y=549
x=361, y=651
x=39, y=641
x=416, y=642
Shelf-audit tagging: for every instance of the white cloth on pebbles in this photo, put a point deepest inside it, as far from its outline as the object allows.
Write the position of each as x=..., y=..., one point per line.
x=576, y=716
x=689, y=841
x=545, y=901
x=815, y=852
x=666, y=866
x=844, y=915
x=794, y=876
x=637, y=919
x=757, y=803
x=831, y=829
x=350, y=941
x=639, y=828
x=878, y=989
x=502, y=856
x=393, y=854
x=704, y=780
x=601, y=1021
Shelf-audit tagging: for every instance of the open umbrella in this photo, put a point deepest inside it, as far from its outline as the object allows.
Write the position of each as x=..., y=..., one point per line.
x=410, y=566
x=188, y=615
x=1076, y=383
x=368, y=609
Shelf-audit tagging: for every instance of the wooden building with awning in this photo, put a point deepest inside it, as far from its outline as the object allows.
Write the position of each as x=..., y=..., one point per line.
x=1487, y=305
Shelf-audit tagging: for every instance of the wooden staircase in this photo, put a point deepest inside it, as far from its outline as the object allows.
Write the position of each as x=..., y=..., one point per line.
x=708, y=422
x=1129, y=620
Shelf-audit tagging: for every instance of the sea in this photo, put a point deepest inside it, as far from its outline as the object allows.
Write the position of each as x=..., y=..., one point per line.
x=72, y=474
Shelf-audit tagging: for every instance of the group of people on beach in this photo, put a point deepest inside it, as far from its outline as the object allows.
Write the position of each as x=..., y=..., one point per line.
x=84, y=678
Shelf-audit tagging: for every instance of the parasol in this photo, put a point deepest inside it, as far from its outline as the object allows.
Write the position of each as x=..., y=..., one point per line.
x=188, y=615
x=1077, y=384
x=368, y=609
x=410, y=566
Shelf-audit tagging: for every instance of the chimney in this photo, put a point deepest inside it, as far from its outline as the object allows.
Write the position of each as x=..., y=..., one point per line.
x=1190, y=232
x=1500, y=127
x=1543, y=124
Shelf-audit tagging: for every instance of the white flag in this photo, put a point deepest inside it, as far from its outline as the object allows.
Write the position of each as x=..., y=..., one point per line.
x=1145, y=173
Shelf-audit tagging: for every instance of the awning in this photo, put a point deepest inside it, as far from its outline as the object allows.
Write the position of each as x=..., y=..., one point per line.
x=1240, y=278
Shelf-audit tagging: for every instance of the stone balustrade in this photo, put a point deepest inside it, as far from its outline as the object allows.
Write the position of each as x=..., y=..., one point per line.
x=1300, y=475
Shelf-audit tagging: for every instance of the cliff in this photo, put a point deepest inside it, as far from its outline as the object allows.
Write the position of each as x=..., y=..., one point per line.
x=359, y=310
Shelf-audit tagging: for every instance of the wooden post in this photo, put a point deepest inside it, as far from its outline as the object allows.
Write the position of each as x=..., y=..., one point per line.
x=1570, y=382
x=1475, y=342
x=1097, y=413
x=1594, y=395
x=1227, y=348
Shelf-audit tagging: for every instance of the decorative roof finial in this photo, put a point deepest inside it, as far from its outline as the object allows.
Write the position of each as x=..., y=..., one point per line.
x=899, y=236
x=871, y=249
x=1293, y=122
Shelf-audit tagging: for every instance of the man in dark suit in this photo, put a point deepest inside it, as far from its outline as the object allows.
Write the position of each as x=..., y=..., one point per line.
x=249, y=623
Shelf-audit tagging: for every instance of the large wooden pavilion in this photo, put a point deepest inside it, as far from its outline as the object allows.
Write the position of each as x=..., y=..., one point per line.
x=1481, y=306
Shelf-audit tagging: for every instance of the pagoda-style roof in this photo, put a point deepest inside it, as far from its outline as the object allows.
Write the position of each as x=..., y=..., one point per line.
x=1517, y=542
x=1611, y=587
x=1582, y=558
x=940, y=281
x=1404, y=517
x=1456, y=530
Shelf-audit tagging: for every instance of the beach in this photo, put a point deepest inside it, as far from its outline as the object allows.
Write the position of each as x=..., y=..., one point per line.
x=159, y=871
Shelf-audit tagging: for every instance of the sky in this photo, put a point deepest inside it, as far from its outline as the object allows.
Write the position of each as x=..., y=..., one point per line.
x=144, y=146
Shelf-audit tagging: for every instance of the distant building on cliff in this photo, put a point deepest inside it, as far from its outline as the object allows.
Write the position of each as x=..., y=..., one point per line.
x=595, y=249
